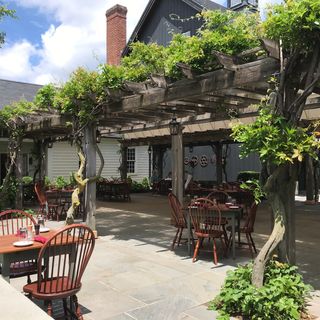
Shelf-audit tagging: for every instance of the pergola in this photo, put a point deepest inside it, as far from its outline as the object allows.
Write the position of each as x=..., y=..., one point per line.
x=195, y=109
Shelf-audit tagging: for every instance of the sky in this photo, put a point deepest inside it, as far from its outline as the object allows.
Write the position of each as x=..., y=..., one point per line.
x=51, y=38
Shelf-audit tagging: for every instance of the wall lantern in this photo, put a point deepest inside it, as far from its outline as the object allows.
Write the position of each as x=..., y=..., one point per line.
x=98, y=136
x=174, y=127
x=149, y=150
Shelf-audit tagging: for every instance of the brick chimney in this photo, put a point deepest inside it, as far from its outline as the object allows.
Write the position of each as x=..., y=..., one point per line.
x=116, y=33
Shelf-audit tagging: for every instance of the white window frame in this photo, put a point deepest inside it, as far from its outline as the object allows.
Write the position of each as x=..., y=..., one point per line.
x=131, y=160
x=234, y=3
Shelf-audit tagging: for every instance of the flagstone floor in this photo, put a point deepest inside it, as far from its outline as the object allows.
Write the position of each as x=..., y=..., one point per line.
x=133, y=274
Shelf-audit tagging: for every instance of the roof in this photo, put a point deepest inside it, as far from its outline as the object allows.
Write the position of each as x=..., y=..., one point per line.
x=12, y=91
x=198, y=5
x=205, y=4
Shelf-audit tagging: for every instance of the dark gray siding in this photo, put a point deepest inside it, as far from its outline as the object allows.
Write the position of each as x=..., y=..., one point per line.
x=12, y=91
x=165, y=19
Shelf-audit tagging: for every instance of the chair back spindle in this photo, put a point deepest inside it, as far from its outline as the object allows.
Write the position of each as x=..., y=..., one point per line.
x=65, y=257
x=219, y=196
x=12, y=220
x=40, y=194
x=176, y=210
x=205, y=216
x=251, y=217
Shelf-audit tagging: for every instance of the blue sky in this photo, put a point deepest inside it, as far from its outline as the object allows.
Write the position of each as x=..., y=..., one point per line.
x=51, y=38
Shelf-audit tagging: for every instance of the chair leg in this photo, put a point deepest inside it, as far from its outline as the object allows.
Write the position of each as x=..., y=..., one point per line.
x=249, y=243
x=175, y=239
x=49, y=308
x=65, y=307
x=196, y=250
x=77, y=307
x=225, y=234
x=254, y=246
x=180, y=235
x=192, y=239
x=224, y=246
x=215, y=257
x=229, y=241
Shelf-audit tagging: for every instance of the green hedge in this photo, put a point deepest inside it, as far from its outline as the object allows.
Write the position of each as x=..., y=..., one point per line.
x=248, y=175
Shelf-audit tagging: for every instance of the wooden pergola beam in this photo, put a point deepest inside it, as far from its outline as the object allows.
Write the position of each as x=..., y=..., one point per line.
x=199, y=138
x=217, y=80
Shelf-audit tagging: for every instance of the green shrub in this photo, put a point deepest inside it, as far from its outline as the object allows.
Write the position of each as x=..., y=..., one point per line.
x=47, y=182
x=30, y=211
x=27, y=180
x=248, y=175
x=61, y=182
x=72, y=180
x=283, y=295
x=142, y=186
x=255, y=188
x=10, y=194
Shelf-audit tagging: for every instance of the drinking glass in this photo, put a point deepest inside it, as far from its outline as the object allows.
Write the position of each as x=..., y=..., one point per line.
x=23, y=233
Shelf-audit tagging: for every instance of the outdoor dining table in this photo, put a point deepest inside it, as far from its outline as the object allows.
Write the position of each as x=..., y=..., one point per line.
x=10, y=253
x=230, y=212
x=64, y=199
x=60, y=196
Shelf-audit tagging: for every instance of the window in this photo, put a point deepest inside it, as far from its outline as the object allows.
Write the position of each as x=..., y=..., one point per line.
x=187, y=34
x=131, y=159
x=253, y=2
x=235, y=2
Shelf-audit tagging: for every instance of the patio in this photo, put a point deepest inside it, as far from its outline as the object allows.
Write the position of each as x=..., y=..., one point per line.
x=133, y=274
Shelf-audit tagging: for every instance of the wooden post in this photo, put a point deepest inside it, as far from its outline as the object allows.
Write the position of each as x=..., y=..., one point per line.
x=219, y=171
x=309, y=179
x=90, y=192
x=177, y=154
x=43, y=158
x=123, y=167
x=19, y=174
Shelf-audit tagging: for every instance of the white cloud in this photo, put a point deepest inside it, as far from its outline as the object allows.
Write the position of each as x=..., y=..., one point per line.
x=78, y=39
x=14, y=60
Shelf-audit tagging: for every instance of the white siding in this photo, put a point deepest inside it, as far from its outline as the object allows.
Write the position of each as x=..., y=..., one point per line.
x=142, y=164
x=110, y=149
x=62, y=160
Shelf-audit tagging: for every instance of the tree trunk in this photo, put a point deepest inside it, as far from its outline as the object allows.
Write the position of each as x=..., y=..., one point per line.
x=280, y=188
x=19, y=175
x=123, y=166
x=91, y=173
x=13, y=153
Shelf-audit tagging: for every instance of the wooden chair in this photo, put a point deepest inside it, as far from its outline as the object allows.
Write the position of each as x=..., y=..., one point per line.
x=206, y=220
x=248, y=229
x=10, y=223
x=65, y=256
x=177, y=218
x=220, y=197
x=50, y=210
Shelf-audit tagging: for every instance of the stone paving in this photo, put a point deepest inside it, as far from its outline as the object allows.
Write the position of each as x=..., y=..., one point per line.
x=134, y=275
